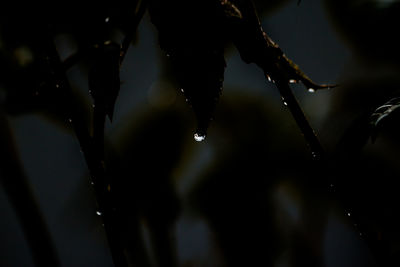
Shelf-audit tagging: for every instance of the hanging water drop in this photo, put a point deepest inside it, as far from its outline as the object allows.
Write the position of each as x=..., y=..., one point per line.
x=98, y=213
x=199, y=137
x=311, y=90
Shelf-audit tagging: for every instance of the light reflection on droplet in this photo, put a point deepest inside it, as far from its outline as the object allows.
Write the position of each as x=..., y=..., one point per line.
x=70, y=120
x=199, y=137
x=311, y=90
x=57, y=85
x=349, y=214
x=292, y=81
x=98, y=213
x=107, y=19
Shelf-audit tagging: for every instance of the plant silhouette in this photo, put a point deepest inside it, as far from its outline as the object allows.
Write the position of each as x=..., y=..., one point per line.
x=264, y=194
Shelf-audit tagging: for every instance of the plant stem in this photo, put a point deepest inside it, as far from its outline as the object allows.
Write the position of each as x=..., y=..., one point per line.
x=301, y=120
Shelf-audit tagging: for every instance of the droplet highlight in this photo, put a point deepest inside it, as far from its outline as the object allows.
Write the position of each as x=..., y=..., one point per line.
x=199, y=137
x=98, y=213
x=311, y=90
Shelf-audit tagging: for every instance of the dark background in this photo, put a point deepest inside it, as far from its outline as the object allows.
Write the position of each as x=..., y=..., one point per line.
x=250, y=192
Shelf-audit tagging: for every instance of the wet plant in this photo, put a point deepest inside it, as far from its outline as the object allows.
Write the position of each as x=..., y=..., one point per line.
x=194, y=37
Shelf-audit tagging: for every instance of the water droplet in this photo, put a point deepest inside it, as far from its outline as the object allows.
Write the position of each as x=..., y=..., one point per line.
x=70, y=120
x=168, y=55
x=311, y=90
x=349, y=214
x=284, y=101
x=314, y=154
x=199, y=137
x=92, y=183
x=107, y=19
x=57, y=85
x=182, y=90
x=98, y=213
x=270, y=79
x=292, y=81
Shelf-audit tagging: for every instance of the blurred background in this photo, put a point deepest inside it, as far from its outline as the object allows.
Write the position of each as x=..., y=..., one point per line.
x=250, y=193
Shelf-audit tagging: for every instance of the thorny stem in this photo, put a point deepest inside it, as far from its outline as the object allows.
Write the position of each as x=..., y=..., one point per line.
x=95, y=166
x=21, y=197
x=139, y=12
x=301, y=120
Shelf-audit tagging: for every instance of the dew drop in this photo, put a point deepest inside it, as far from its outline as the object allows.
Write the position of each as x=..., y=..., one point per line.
x=107, y=19
x=98, y=213
x=349, y=214
x=311, y=90
x=199, y=137
x=284, y=101
x=270, y=79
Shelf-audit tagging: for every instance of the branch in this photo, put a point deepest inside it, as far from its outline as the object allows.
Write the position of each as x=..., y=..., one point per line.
x=290, y=101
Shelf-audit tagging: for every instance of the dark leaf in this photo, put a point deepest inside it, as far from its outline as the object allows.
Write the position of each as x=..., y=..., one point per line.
x=104, y=81
x=255, y=46
x=384, y=113
x=194, y=41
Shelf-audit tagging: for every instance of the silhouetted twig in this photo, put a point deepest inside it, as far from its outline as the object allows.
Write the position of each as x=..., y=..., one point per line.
x=290, y=101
